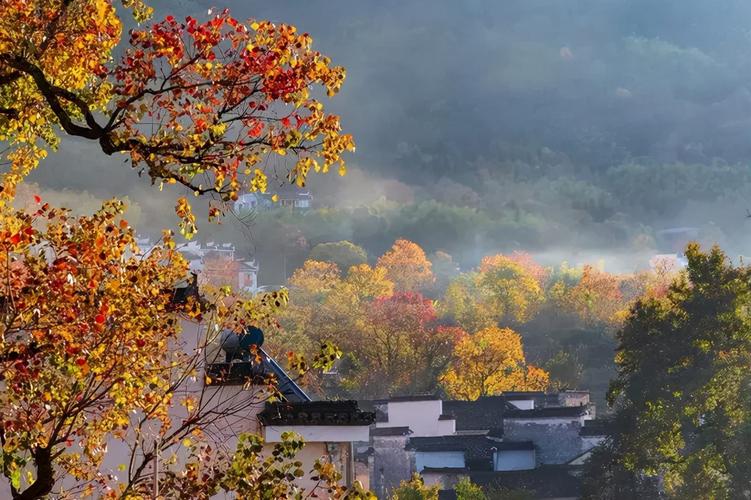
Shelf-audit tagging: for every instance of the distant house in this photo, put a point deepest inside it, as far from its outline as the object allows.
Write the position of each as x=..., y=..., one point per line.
x=252, y=202
x=287, y=197
x=217, y=264
x=533, y=439
x=294, y=198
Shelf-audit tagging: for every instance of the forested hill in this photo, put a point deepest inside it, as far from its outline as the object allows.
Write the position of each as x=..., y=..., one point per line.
x=595, y=115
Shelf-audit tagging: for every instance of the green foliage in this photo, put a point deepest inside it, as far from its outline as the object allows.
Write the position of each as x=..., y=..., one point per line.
x=467, y=490
x=681, y=397
x=342, y=253
x=415, y=489
x=565, y=371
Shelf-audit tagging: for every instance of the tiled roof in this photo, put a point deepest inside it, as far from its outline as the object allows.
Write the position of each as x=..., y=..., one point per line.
x=476, y=448
x=515, y=445
x=547, y=481
x=390, y=431
x=315, y=413
x=444, y=470
x=595, y=427
x=552, y=412
x=523, y=395
x=483, y=414
x=256, y=373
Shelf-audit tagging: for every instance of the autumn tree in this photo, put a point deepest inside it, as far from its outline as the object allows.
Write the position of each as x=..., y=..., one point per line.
x=681, y=396
x=342, y=253
x=466, y=303
x=402, y=349
x=415, y=489
x=467, y=490
x=94, y=353
x=218, y=95
x=489, y=362
x=406, y=266
x=597, y=298
x=501, y=291
x=91, y=349
x=523, y=259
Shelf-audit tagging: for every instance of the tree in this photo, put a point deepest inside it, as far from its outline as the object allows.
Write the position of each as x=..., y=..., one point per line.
x=465, y=303
x=501, y=493
x=401, y=349
x=314, y=281
x=523, y=259
x=369, y=282
x=565, y=371
x=251, y=473
x=342, y=253
x=91, y=349
x=415, y=489
x=406, y=266
x=489, y=362
x=513, y=288
x=445, y=269
x=681, y=397
x=597, y=298
x=502, y=291
x=467, y=490
x=219, y=95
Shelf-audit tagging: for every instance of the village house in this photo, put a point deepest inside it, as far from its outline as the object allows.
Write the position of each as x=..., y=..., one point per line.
x=287, y=196
x=519, y=440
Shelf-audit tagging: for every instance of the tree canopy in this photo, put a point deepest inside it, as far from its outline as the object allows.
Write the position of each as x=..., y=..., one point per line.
x=199, y=103
x=681, y=396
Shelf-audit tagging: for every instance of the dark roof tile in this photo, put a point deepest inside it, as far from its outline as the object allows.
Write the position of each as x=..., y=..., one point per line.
x=482, y=414
x=315, y=413
x=552, y=412
x=390, y=431
x=475, y=447
x=547, y=481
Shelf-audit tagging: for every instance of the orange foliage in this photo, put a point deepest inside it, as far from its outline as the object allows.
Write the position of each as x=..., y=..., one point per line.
x=406, y=266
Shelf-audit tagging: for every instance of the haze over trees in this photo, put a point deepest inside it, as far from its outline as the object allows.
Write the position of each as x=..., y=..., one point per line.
x=508, y=324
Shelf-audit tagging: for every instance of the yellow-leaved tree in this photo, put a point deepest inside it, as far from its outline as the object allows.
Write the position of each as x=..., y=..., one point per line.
x=490, y=362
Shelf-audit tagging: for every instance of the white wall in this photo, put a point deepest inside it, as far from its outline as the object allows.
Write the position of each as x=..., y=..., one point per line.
x=524, y=404
x=439, y=459
x=514, y=460
x=548, y=421
x=319, y=433
x=420, y=416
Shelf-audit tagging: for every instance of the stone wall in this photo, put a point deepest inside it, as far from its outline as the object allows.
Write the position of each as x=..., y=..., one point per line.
x=555, y=443
x=390, y=465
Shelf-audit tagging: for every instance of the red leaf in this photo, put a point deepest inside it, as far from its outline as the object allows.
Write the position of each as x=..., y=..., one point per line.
x=99, y=318
x=37, y=198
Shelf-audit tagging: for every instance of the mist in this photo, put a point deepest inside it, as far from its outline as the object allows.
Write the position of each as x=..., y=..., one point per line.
x=575, y=131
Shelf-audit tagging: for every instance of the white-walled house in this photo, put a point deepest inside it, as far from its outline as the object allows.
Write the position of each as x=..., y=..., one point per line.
x=515, y=438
